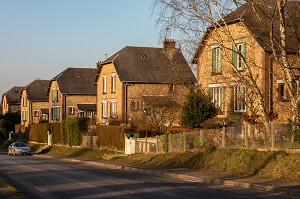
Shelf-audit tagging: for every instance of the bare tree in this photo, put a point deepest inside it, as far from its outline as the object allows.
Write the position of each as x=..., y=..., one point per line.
x=276, y=20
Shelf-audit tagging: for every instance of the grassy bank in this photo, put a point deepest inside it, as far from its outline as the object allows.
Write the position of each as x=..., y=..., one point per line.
x=8, y=191
x=245, y=163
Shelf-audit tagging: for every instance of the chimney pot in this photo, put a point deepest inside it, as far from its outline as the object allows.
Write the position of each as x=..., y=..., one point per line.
x=169, y=44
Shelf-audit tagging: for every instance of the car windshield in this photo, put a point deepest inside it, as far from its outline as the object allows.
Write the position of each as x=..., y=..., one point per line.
x=20, y=145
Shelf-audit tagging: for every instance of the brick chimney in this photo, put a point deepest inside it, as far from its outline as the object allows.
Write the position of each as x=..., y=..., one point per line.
x=169, y=44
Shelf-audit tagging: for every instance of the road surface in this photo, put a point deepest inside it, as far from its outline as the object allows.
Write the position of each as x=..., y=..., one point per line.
x=46, y=178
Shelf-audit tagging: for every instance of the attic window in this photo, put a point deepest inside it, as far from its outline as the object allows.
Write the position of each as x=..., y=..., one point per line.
x=143, y=56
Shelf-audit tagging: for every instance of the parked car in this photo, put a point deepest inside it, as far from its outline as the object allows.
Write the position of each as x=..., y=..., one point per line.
x=19, y=148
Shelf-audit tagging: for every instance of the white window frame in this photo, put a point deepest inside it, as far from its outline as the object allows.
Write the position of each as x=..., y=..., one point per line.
x=218, y=59
x=113, y=108
x=72, y=108
x=218, y=94
x=36, y=113
x=239, y=58
x=113, y=82
x=55, y=115
x=104, y=109
x=239, y=98
x=104, y=82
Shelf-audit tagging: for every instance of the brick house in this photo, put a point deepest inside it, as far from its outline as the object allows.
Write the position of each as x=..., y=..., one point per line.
x=138, y=77
x=221, y=57
x=72, y=93
x=11, y=100
x=35, y=102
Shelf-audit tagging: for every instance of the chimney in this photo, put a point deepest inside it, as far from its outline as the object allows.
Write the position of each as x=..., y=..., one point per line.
x=169, y=44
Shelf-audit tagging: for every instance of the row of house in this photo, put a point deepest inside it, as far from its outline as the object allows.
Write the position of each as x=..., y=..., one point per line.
x=117, y=90
x=134, y=78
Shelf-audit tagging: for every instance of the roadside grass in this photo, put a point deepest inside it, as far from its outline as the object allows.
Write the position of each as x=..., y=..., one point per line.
x=80, y=152
x=244, y=163
x=8, y=191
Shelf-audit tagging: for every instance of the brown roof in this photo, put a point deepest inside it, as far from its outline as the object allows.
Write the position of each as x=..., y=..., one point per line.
x=151, y=65
x=37, y=90
x=77, y=81
x=259, y=26
x=13, y=95
x=160, y=101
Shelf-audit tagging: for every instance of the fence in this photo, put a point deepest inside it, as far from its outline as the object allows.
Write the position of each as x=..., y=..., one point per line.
x=142, y=145
x=241, y=137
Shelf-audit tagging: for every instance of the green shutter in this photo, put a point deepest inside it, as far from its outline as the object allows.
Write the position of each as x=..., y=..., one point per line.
x=234, y=56
x=213, y=65
x=52, y=95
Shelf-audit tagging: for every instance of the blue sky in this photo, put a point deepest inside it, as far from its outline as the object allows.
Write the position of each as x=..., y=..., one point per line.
x=41, y=38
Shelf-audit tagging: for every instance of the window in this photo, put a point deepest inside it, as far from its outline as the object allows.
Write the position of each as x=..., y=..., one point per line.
x=104, y=109
x=57, y=95
x=134, y=105
x=104, y=84
x=238, y=54
x=239, y=98
x=216, y=93
x=216, y=60
x=36, y=113
x=53, y=95
x=172, y=88
x=113, y=83
x=55, y=113
x=25, y=116
x=283, y=94
x=113, y=109
x=71, y=110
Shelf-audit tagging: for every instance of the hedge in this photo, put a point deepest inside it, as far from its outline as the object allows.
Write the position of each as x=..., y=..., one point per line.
x=38, y=132
x=111, y=137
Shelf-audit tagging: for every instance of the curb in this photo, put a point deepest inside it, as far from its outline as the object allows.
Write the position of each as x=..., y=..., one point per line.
x=185, y=177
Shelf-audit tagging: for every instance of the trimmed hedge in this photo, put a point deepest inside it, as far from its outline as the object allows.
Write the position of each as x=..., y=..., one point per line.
x=111, y=137
x=38, y=132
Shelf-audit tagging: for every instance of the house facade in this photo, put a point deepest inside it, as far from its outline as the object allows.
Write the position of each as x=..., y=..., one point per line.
x=72, y=93
x=235, y=62
x=35, y=102
x=11, y=100
x=138, y=77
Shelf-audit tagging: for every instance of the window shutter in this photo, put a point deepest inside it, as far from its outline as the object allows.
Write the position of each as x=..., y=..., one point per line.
x=210, y=94
x=222, y=98
x=213, y=59
x=234, y=56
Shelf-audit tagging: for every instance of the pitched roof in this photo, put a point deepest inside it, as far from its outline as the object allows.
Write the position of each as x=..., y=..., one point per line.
x=13, y=95
x=79, y=81
x=37, y=90
x=259, y=23
x=151, y=65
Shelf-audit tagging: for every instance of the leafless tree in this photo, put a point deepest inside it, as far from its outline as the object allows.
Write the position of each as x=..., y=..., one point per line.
x=191, y=20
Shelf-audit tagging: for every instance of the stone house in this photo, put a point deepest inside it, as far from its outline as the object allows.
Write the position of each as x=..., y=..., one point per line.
x=72, y=93
x=35, y=102
x=221, y=62
x=136, y=79
x=11, y=100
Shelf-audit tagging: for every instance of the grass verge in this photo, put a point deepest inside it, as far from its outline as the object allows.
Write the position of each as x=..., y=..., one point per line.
x=8, y=191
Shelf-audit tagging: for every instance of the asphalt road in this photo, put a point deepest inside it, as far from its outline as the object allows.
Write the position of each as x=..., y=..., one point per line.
x=53, y=178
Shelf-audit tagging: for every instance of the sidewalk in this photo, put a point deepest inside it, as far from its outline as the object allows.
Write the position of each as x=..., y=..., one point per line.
x=291, y=188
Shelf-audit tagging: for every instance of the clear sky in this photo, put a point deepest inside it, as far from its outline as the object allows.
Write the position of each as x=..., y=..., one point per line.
x=41, y=38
